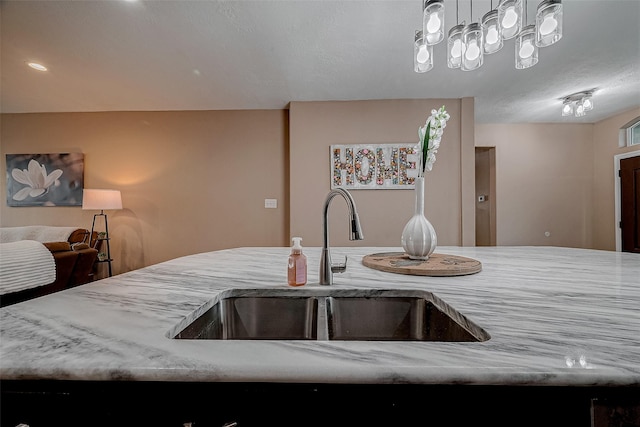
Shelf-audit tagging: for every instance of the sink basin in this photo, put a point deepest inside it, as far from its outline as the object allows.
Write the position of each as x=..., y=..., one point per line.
x=257, y=317
x=329, y=314
x=394, y=318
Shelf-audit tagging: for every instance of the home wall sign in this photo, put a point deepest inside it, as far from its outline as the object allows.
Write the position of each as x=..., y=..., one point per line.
x=45, y=179
x=374, y=166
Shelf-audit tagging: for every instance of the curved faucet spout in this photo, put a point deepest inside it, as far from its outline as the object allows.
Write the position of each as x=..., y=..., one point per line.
x=355, y=233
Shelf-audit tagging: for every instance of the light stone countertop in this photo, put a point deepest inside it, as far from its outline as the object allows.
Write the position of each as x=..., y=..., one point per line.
x=556, y=316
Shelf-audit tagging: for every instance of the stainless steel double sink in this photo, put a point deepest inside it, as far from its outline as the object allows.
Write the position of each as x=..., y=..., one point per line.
x=328, y=314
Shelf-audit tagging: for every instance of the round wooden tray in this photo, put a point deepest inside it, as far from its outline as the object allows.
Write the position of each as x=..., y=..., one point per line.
x=436, y=265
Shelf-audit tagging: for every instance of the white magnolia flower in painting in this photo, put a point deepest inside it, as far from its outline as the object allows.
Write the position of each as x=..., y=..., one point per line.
x=35, y=176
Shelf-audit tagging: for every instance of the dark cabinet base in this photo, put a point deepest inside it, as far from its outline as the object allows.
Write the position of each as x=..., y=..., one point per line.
x=80, y=403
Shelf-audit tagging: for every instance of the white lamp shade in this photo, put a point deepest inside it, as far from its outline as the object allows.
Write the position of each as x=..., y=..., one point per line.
x=454, y=46
x=101, y=199
x=472, y=53
x=548, y=22
x=491, y=32
x=510, y=18
x=422, y=54
x=433, y=21
x=526, y=48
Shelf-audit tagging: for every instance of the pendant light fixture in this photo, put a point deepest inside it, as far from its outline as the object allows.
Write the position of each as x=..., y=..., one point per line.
x=548, y=22
x=468, y=43
x=454, y=43
x=454, y=46
x=422, y=54
x=526, y=47
x=491, y=32
x=510, y=18
x=433, y=21
x=472, y=50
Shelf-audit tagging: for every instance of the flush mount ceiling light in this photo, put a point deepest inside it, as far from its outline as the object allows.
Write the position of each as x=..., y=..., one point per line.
x=468, y=43
x=578, y=103
x=37, y=66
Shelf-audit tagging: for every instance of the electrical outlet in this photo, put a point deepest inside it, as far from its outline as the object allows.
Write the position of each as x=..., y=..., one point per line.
x=271, y=203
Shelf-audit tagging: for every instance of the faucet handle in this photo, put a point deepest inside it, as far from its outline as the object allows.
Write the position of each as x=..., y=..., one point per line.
x=339, y=267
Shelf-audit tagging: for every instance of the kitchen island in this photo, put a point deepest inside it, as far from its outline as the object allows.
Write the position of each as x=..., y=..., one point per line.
x=564, y=328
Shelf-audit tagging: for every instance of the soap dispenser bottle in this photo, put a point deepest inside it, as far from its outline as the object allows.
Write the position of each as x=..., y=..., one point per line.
x=297, y=269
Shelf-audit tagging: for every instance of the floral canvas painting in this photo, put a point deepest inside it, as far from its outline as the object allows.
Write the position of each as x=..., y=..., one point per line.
x=45, y=179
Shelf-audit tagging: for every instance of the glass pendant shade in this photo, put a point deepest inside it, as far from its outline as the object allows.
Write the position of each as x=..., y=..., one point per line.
x=454, y=46
x=510, y=18
x=548, y=22
x=567, y=108
x=526, y=49
x=580, y=109
x=492, y=32
x=433, y=21
x=587, y=103
x=472, y=51
x=422, y=54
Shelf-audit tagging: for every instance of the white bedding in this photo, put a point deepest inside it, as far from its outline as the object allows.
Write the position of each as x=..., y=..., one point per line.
x=25, y=264
x=39, y=233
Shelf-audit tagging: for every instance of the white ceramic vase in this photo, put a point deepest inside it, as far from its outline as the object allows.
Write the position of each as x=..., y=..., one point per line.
x=419, y=238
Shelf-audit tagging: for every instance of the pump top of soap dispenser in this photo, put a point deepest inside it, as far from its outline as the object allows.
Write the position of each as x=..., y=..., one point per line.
x=297, y=245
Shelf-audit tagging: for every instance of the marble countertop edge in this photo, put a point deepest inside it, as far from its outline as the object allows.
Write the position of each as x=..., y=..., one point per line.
x=542, y=307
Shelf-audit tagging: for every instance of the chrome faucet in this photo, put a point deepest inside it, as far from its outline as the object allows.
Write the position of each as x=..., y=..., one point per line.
x=355, y=233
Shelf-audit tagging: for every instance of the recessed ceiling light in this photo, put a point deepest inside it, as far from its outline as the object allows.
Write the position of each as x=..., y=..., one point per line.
x=37, y=66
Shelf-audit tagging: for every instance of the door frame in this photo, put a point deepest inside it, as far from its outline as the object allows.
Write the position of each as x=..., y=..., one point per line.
x=616, y=174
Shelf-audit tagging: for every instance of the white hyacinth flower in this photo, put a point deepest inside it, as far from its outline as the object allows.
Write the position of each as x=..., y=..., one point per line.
x=429, y=136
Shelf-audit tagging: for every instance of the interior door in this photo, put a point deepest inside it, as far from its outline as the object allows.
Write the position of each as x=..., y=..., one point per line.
x=630, y=201
x=485, y=196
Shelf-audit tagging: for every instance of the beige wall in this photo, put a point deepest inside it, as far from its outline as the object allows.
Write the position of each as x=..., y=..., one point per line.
x=315, y=126
x=557, y=178
x=543, y=182
x=605, y=148
x=196, y=181
x=190, y=181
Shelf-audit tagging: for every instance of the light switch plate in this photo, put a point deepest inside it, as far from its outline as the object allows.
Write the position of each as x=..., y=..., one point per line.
x=271, y=203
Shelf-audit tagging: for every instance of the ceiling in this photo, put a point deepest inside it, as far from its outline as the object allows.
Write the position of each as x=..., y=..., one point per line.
x=218, y=55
